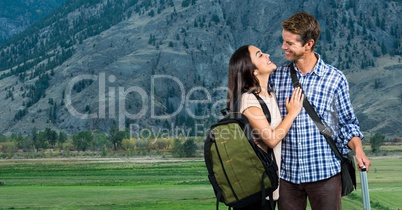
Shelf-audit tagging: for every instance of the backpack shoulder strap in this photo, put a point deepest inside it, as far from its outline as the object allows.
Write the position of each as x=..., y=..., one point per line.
x=226, y=111
x=264, y=107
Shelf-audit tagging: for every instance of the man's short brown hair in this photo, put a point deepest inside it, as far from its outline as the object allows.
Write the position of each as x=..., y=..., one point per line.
x=305, y=25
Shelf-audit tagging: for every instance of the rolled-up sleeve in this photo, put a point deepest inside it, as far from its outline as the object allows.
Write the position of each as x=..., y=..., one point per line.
x=348, y=123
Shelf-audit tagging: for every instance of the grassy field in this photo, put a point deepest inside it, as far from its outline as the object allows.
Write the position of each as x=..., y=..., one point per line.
x=148, y=184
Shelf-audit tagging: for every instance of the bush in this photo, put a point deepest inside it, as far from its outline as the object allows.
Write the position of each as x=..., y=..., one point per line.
x=189, y=148
x=177, y=150
x=376, y=141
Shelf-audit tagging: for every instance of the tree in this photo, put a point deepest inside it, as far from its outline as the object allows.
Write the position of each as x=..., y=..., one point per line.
x=82, y=140
x=383, y=48
x=34, y=137
x=377, y=84
x=215, y=19
x=189, y=148
x=178, y=149
x=376, y=141
x=171, y=44
x=116, y=136
x=41, y=140
x=151, y=13
x=62, y=137
x=52, y=136
x=23, y=143
x=185, y=3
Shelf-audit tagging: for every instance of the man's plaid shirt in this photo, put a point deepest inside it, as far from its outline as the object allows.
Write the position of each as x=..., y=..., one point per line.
x=306, y=156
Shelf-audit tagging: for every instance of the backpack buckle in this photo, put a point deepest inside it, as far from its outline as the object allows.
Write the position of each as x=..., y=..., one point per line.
x=225, y=111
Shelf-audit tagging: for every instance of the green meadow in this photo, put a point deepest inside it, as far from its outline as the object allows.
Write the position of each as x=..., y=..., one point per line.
x=139, y=183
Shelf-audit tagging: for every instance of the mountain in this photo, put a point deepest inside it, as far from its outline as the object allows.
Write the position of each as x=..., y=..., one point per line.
x=15, y=16
x=161, y=66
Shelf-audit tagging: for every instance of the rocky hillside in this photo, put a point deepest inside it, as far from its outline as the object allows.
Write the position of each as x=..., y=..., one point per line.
x=163, y=64
x=16, y=16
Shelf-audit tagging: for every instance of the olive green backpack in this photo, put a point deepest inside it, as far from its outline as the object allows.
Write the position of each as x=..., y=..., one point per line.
x=240, y=172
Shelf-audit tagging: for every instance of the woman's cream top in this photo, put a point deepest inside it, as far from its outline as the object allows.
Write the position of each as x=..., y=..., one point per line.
x=249, y=100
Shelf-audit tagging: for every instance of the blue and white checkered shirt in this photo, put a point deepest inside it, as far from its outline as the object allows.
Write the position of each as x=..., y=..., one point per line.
x=306, y=155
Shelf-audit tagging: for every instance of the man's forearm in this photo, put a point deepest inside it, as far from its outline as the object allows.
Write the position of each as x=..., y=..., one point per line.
x=356, y=144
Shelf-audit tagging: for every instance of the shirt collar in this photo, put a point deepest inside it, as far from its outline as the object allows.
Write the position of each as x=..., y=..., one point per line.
x=319, y=69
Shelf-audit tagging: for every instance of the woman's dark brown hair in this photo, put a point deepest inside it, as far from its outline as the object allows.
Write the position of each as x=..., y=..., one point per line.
x=241, y=78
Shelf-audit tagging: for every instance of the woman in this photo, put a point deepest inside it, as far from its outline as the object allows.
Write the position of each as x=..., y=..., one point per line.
x=249, y=71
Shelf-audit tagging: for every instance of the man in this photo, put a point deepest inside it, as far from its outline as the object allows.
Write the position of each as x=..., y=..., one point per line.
x=309, y=167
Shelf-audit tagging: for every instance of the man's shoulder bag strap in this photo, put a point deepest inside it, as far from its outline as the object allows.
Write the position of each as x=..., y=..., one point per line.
x=324, y=130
